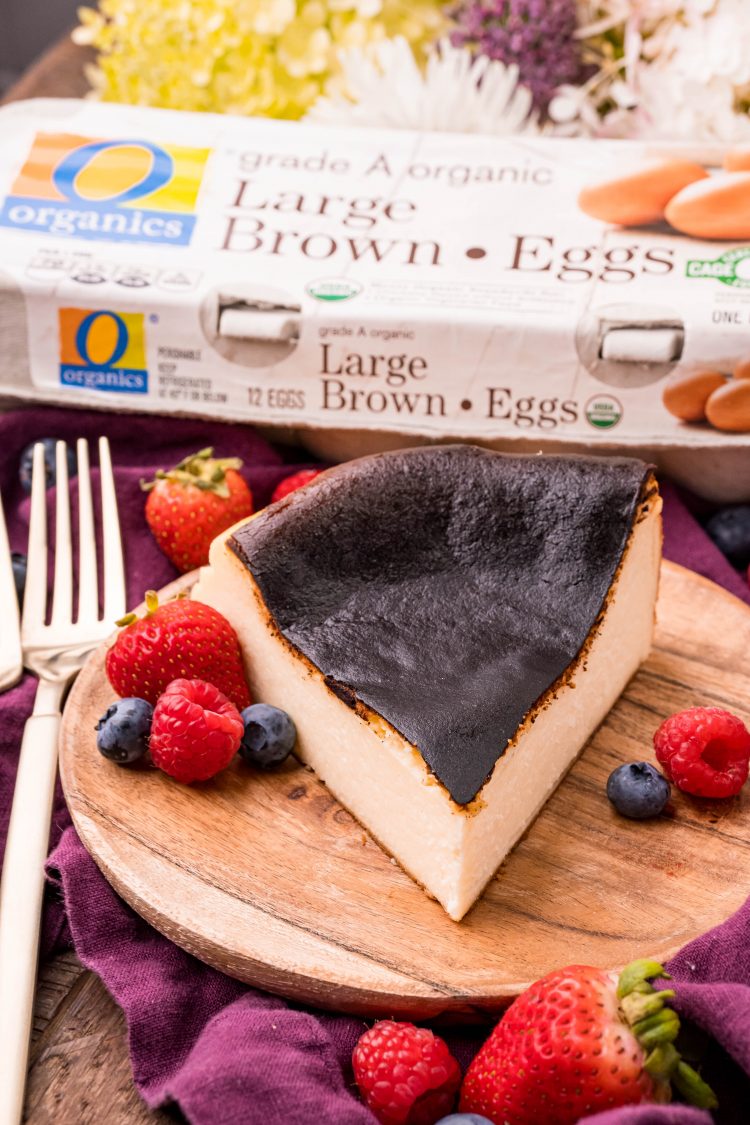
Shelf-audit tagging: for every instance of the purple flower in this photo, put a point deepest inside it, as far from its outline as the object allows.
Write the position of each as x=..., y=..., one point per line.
x=537, y=35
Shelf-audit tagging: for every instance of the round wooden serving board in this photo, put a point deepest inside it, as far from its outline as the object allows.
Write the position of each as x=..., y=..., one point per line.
x=268, y=878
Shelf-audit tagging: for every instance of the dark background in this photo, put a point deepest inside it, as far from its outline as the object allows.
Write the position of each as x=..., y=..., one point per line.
x=27, y=27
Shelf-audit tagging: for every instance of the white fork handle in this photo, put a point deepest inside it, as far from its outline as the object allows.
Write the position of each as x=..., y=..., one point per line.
x=21, y=893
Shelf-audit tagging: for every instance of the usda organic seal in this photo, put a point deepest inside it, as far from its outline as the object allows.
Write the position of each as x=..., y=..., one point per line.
x=333, y=289
x=603, y=412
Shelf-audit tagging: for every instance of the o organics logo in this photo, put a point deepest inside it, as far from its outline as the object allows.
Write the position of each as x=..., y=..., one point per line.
x=101, y=350
x=114, y=191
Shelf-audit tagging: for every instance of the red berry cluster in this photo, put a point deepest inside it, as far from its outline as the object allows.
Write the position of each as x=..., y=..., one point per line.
x=578, y=1041
x=185, y=658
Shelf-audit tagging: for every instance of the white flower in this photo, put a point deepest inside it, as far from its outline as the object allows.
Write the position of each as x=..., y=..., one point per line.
x=456, y=93
x=690, y=89
x=667, y=69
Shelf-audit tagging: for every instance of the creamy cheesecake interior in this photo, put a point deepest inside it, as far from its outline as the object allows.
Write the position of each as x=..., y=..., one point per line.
x=452, y=847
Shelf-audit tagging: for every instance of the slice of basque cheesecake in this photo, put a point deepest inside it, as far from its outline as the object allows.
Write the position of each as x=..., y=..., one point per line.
x=447, y=626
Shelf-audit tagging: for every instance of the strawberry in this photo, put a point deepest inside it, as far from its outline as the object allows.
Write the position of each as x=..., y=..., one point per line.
x=579, y=1042
x=191, y=504
x=292, y=483
x=180, y=639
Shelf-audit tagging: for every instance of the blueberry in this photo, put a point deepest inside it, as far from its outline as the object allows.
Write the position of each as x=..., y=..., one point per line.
x=269, y=736
x=123, y=730
x=637, y=790
x=730, y=531
x=19, y=562
x=50, y=452
x=464, y=1119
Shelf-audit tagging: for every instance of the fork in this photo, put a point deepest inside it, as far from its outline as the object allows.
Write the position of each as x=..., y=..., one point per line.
x=10, y=634
x=54, y=652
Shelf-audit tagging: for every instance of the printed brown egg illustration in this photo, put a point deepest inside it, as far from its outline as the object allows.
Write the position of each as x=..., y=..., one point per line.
x=742, y=368
x=729, y=408
x=685, y=394
x=640, y=196
x=738, y=159
x=718, y=207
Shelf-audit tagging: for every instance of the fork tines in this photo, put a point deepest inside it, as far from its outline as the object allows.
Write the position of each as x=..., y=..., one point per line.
x=88, y=620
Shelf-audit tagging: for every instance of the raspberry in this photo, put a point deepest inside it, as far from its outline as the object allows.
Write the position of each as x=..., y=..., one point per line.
x=406, y=1075
x=704, y=751
x=195, y=732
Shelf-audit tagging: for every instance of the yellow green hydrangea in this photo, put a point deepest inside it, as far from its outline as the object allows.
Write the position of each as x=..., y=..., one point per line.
x=265, y=57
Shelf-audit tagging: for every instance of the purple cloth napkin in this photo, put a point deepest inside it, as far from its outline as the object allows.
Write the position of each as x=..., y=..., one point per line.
x=226, y=1053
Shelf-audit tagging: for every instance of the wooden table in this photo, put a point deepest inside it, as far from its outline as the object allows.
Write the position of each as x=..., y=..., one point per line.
x=80, y=1071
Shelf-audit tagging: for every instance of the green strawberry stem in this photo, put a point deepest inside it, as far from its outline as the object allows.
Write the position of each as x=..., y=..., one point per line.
x=639, y=1005
x=638, y=974
x=656, y=1026
x=662, y=1062
x=692, y=1087
x=199, y=470
x=151, y=598
x=661, y=1027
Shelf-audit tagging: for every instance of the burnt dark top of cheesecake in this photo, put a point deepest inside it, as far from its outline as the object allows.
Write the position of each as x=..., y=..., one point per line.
x=446, y=587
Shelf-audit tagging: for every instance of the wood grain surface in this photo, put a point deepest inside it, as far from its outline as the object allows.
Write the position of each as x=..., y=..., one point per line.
x=79, y=1071
x=266, y=877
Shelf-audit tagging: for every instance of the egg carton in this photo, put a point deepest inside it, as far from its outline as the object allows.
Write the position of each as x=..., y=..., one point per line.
x=365, y=289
